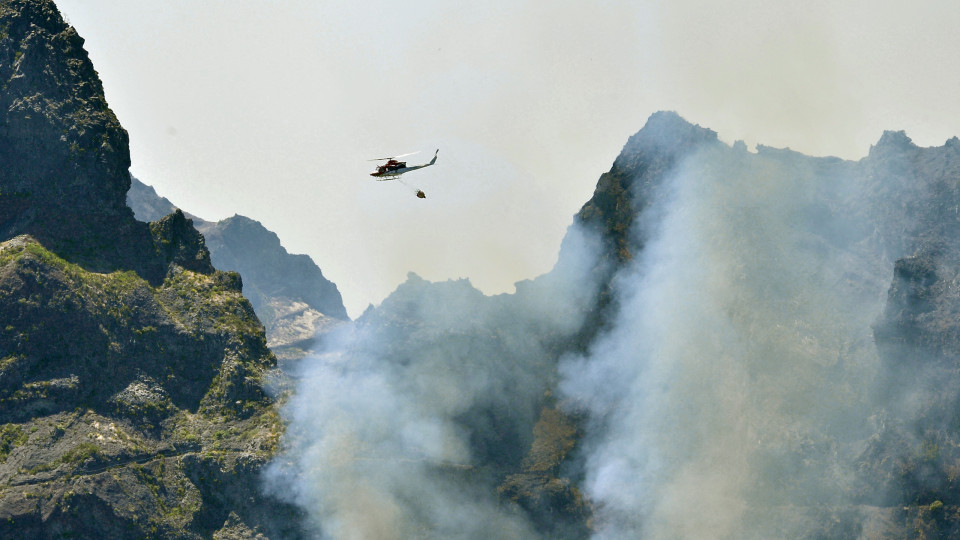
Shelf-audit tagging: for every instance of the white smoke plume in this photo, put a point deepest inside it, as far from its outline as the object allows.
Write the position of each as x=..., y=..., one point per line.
x=739, y=363
x=403, y=422
x=734, y=390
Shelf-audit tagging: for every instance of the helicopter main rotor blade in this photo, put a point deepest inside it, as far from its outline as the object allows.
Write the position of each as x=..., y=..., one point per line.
x=394, y=157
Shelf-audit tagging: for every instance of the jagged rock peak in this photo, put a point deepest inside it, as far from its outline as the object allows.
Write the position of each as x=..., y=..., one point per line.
x=892, y=140
x=181, y=244
x=667, y=131
x=58, y=136
x=420, y=299
x=644, y=161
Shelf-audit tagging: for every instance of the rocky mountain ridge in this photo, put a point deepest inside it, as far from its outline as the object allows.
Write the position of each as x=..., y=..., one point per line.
x=849, y=356
x=894, y=211
x=289, y=293
x=132, y=372
x=443, y=412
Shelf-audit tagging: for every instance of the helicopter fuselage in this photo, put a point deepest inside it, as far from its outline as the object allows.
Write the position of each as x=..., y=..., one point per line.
x=392, y=169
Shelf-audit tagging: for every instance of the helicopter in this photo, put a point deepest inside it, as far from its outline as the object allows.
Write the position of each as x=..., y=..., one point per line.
x=392, y=169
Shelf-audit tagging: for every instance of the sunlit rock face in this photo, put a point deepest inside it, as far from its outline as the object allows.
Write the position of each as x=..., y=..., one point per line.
x=132, y=372
x=64, y=154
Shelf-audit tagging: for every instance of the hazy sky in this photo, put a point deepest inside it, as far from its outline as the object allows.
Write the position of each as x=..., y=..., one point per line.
x=270, y=109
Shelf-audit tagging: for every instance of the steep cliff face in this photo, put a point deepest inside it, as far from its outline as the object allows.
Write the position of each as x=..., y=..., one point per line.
x=65, y=155
x=913, y=457
x=792, y=243
x=132, y=372
x=289, y=293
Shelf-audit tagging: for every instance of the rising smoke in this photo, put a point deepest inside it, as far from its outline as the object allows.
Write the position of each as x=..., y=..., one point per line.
x=404, y=422
x=736, y=380
x=732, y=391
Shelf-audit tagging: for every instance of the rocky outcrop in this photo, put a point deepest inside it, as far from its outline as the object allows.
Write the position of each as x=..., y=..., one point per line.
x=132, y=372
